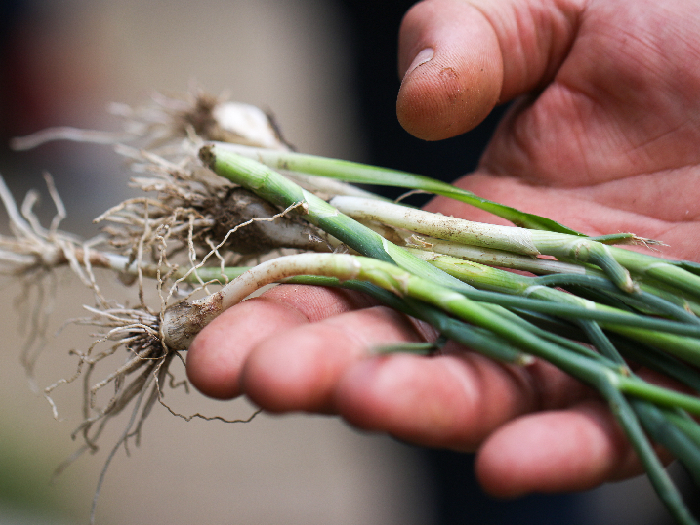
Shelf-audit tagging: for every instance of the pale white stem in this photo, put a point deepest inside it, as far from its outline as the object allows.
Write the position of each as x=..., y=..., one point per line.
x=183, y=321
x=509, y=238
x=247, y=124
x=273, y=270
x=491, y=257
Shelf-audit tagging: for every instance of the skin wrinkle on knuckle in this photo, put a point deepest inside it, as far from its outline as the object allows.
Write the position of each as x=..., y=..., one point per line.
x=559, y=390
x=619, y=458
x=615, y=454
x=479, y=386
x=481, y=390
x=469, y=435
x=425, y=330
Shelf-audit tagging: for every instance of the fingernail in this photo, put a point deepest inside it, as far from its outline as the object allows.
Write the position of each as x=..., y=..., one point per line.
x=421, y=58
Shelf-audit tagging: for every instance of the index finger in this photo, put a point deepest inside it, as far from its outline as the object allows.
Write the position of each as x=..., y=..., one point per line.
x=216, y=355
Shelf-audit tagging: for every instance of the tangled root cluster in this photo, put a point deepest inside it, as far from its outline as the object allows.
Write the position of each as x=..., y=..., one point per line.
x=195, y=213
x=188, y=217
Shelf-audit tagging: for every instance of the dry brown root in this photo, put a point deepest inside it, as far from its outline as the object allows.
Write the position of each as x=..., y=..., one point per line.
x=187, y=218
x=129, y=344
x=193, y=210
x=34, y=252
x=165, y=120
x=184, y=203
x=29, y=255
x=137, y=384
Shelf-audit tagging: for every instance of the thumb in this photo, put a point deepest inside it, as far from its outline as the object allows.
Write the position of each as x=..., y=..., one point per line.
x=459, y=58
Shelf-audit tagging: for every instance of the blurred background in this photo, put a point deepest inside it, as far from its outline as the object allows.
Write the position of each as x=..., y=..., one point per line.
x=326, y=69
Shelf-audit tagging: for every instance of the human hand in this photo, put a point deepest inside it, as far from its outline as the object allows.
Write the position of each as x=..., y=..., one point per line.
x=604, y=139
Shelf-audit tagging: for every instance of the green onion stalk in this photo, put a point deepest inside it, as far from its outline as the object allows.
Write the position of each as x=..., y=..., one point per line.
x=650, y=268
x=603, y=316
x=364, y=174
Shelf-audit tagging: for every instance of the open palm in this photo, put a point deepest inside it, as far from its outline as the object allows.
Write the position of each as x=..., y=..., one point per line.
x=605, y=137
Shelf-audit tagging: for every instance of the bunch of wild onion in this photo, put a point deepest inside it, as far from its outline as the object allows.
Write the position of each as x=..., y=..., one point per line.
x=625, y=304
x=588, y=307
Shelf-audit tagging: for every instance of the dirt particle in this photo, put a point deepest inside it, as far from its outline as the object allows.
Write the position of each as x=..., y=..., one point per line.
x=450, y=80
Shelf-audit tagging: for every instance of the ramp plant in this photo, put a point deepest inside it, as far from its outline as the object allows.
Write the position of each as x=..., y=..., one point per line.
x=228, y=208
